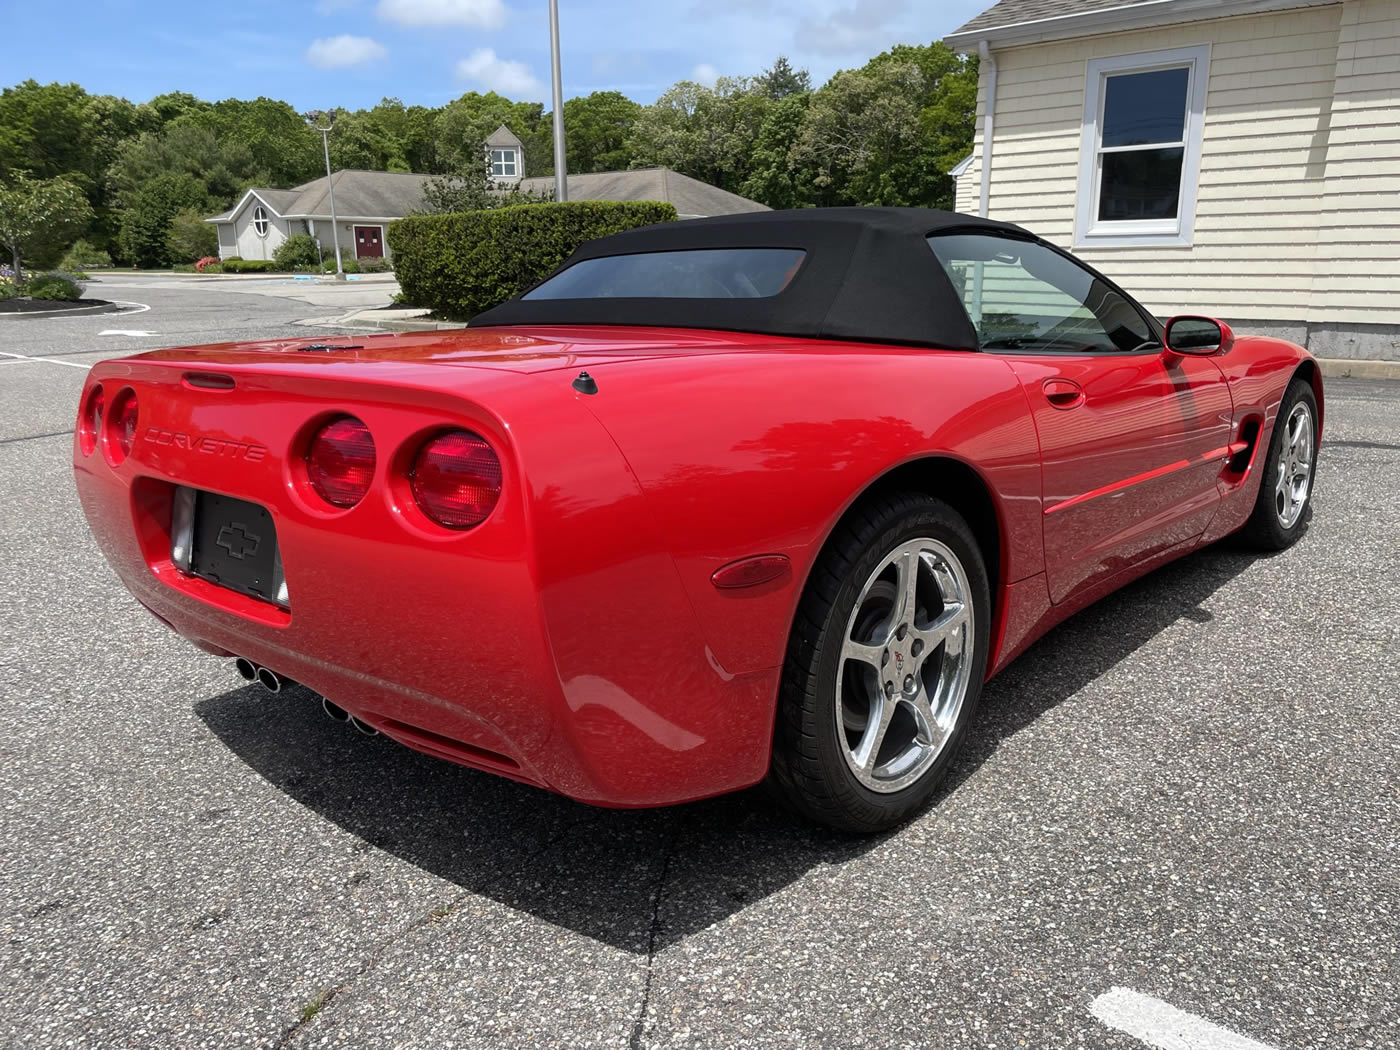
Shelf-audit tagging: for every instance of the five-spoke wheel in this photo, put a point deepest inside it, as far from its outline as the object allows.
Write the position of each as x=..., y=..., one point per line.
x=905, y=664
x=1287, y=472
x=885, y=664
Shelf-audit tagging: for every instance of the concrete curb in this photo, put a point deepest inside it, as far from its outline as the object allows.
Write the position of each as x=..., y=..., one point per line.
x=405, y=325
x=1341, y=368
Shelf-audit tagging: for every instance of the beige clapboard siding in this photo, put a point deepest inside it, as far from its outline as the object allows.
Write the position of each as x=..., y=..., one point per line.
x=1358, y=266
x=1266, y=164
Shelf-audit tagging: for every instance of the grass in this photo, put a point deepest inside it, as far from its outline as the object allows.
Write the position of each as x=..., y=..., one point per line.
x=315, y=1005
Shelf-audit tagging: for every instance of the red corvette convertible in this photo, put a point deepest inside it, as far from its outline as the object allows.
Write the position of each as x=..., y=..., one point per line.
x=765, y=496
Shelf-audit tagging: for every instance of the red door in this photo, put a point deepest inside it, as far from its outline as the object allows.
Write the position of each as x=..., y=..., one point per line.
x=367, y=242
x=1132, y=446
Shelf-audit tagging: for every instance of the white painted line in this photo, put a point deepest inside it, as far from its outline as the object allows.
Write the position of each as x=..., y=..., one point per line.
x=140, y=307
x=135, y=333
x=46, y=360
x=1162, y=1025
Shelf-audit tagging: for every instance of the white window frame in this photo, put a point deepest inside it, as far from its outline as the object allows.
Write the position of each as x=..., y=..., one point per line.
x=509, y=157
x=1089, y=231
x=260, y=219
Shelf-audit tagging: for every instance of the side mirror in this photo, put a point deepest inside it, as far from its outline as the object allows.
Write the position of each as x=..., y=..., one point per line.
x=1188, y=334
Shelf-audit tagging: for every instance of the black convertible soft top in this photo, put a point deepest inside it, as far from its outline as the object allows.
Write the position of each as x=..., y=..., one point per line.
x=868, y=276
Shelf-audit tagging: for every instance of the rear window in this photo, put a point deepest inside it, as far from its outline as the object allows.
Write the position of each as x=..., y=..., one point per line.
x=702, y=273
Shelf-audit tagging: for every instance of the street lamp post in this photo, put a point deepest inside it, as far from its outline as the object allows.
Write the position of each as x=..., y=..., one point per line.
x=561, y=174
x=330, y=188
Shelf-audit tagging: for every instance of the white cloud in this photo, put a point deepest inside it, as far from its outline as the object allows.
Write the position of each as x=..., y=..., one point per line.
x=512, y=79
x=339, y=52
x=480, y=14
x=705, y=74
x=864, y=28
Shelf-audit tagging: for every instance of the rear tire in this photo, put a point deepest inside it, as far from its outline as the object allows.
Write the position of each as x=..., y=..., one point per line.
x=1284, y=504
x=884, y=666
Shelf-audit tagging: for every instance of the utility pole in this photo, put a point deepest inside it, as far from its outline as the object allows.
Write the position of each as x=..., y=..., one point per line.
x=561, y=174
x=330, y=188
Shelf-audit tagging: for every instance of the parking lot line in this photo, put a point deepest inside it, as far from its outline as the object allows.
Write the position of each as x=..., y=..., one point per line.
x=1162, y=1025
x=46, y=360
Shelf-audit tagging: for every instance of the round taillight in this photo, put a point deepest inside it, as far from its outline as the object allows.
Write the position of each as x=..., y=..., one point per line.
x=340, y=461
x=456, y=479
x=90, y=420
x=119, y=428
x=124, y=424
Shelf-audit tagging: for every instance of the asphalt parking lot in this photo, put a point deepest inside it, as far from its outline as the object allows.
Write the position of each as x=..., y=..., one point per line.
x=1190, y=791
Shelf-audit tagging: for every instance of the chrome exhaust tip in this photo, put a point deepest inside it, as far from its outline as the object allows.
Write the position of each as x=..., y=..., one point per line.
x=246, y=669
x=363, y=727
x=334, y=710
x=270, y=680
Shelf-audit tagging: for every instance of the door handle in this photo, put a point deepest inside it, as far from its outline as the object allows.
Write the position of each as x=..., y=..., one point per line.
x=1063, y=393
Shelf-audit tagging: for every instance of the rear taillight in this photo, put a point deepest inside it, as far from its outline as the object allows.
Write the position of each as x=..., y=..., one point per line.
x=120, y=428
x=90, y=420
x=340, y=461
x=456, y=479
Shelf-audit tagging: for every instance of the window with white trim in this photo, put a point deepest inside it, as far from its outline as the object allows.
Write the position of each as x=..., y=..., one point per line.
x=504, y=163
x=1140, y=152
x=260, y=221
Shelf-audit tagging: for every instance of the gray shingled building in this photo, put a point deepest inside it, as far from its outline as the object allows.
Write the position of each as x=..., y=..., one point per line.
x=367, y=201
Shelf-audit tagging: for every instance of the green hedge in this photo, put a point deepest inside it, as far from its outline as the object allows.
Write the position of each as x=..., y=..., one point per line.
x=249, y=266
x=55, y=286
x=459, y=265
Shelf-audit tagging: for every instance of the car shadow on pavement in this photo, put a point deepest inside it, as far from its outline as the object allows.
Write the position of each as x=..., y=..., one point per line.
x=641, y=880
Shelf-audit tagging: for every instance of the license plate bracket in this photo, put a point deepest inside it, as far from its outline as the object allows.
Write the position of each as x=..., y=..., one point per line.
x=231, y=543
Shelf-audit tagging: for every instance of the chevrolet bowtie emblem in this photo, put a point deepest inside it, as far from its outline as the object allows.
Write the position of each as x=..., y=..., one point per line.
x=238, y=541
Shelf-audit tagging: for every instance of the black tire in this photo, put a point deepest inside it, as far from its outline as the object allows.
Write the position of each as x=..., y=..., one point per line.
x=810, y=769
x=1265, y=530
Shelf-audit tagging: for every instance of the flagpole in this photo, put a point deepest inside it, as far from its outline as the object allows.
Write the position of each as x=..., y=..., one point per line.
x=561, y=174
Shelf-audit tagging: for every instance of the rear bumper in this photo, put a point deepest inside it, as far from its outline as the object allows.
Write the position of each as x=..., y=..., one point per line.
x=580, y=669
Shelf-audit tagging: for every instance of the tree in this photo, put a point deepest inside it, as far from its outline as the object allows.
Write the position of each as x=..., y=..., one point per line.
x=189, y=238
x=773, y=179
x=782, y=80
x=463, y=126
x=146, y=221
x=39, y=218
x=473, y=189
x=596, y=128
x=706, y=133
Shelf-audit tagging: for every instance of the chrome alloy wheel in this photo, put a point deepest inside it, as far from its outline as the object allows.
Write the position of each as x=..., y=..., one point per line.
x=905, y=665
x=1295, y=463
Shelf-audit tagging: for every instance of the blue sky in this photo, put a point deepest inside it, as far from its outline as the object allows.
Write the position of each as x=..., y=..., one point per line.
x=319, y=53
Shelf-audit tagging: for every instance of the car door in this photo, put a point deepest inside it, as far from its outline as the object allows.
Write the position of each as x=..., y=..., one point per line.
x=1133, y=438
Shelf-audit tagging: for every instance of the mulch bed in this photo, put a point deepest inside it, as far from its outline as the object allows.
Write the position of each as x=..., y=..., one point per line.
x=39, y=306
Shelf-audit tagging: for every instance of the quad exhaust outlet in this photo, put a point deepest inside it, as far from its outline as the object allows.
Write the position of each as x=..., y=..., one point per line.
x=276, y=683
x=264, y=676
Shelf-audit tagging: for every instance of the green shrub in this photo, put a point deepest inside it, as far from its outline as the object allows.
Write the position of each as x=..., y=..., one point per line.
x=347, y=265
x=248, y=266
x=373, y=265
x=83, y=256
x=8, y=290
x=189, y=238
x=459, y=265
x=297, y=250
x=56, y=286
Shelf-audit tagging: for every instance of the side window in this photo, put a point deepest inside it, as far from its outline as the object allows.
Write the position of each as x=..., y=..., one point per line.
x=1022, y=296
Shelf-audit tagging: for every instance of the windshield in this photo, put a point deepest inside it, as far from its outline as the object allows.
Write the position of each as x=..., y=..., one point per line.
x=708, y=273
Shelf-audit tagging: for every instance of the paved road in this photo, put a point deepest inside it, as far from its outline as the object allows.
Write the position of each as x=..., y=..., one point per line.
x=1191, y=791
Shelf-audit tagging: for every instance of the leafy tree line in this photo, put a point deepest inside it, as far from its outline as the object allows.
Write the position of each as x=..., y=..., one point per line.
x=137, y=178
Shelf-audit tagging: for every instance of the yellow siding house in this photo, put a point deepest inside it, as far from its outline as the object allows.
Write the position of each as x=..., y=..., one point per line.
x=1233, y=157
